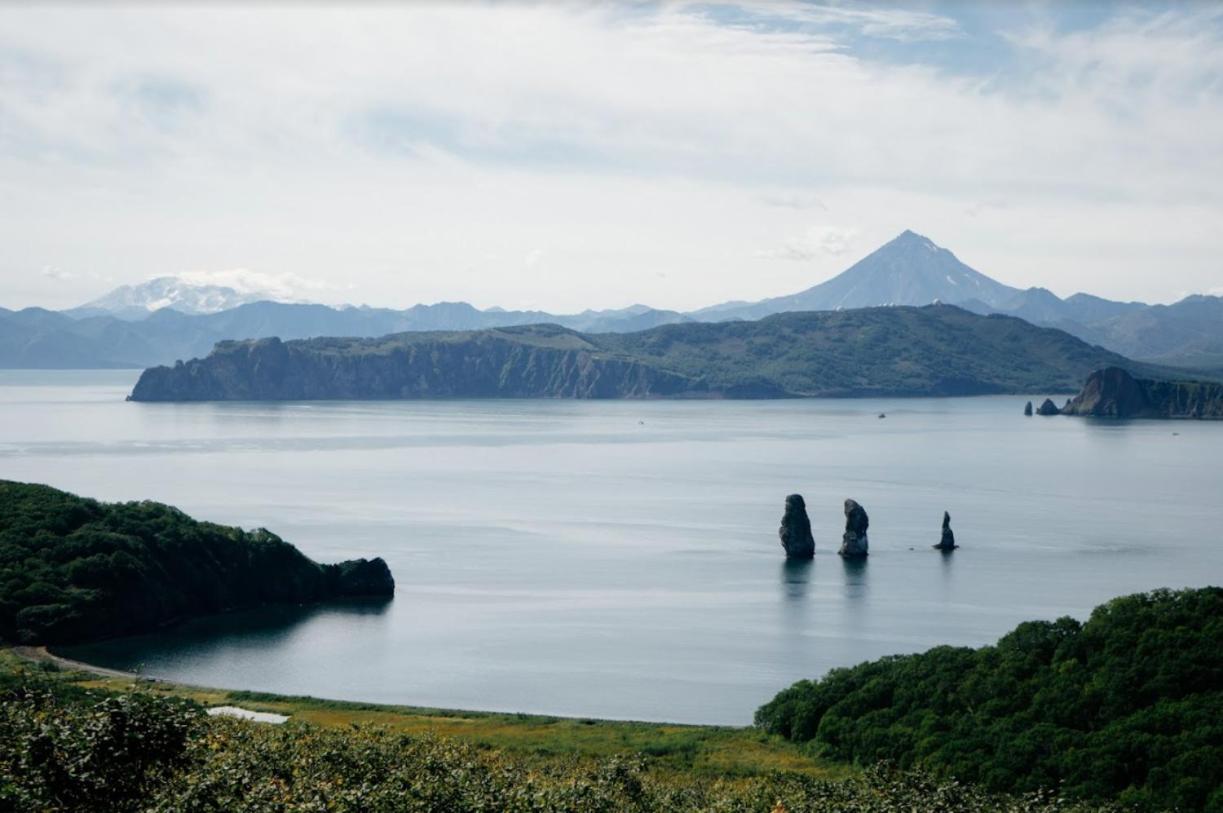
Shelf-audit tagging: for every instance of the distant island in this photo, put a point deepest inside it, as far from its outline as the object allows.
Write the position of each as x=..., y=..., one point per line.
x=75, y=570
x=937, y=350
x=1114, y=393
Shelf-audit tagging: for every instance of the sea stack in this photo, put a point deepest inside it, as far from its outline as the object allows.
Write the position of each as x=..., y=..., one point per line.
x=795, y=530
x=1027, y=410
x=947, y=542
x=854, y=542
x=1048, y=408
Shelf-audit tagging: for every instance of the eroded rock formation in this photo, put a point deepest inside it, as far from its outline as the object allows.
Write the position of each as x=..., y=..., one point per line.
x=795, y=530
x=1027, y=409
x=1048, y=408
x=854, y=542
x=947, y=542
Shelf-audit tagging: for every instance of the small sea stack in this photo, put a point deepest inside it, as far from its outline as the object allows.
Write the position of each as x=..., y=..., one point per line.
x=795, y=530
x=854, y=542
x=1027, y=410
x=947, y=541
x=1048, y=408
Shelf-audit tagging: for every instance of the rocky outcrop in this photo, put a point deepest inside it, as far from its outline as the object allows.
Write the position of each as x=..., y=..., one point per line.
x=360, y=578
x=795, y=530
x=947, y=541
x=1114, y=393
x=854, y=542
x=1027, y=409
x=1048, y=408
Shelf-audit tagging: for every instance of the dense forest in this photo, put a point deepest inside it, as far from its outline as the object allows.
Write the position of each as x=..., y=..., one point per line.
x=64, y=750
x=933, y=350
x=1128, y=705
x=74, y=569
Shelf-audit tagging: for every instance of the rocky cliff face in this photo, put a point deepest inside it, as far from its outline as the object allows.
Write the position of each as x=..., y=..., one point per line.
x=854, y=542
x=795, y=530
x=478, y=365
x=1114, y=393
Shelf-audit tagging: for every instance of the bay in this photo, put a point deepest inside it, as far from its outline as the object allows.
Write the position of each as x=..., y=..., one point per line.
x=620, y=559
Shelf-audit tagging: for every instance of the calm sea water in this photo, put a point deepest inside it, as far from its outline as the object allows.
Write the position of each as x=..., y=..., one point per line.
x=621, y=559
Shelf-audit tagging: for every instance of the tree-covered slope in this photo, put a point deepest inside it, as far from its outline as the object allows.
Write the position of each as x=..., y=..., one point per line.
x=74, y=569
x=1128, y=704
x=935, y=350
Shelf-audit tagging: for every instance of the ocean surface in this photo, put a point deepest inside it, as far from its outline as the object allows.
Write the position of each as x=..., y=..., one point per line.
x=621, y=559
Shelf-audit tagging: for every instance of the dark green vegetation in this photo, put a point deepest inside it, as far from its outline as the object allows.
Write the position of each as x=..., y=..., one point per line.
x=1127, y=705
x=1114, y=393
x=73, y=569
x=65, y=748
x=935, y=350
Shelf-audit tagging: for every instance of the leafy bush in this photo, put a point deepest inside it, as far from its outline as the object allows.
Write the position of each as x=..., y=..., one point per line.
x=1128, y=705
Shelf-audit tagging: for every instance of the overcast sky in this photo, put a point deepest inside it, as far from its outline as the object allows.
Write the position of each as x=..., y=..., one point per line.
x=569, y=156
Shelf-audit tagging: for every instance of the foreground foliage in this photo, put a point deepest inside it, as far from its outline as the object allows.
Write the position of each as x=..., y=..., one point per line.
x=73, y=569
x=1128, y=705
x=80, y=751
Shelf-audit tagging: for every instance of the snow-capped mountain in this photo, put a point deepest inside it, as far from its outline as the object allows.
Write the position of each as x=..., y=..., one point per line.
x=191, y=294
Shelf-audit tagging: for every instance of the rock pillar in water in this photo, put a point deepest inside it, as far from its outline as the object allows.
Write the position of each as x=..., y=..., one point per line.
x=1048, y=408
x=947, y=542
x=854, y=542
x=795, y=530
x=1027, y=410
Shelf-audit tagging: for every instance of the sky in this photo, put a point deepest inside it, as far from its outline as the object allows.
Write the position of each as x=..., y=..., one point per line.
x=569, y=156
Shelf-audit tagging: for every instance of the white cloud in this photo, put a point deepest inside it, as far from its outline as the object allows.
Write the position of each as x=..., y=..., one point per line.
x=652, y=149
x=811, y=244
x=284, y=286
x=899, y=24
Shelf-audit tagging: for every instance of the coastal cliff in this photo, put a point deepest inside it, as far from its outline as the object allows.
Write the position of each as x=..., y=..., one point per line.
x=935, y=350
x=1114, y=393
x=74, y=569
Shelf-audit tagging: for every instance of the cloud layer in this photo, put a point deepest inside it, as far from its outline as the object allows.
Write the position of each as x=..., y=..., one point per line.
x=566, y=156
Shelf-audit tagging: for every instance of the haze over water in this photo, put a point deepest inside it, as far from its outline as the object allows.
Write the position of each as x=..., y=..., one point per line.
x=620, y=559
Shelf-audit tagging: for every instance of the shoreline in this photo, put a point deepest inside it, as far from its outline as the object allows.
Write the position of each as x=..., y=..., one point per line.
x=41, y=654
x=710, y=751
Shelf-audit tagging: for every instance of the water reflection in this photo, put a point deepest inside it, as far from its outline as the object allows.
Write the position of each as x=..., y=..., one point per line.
x=795, y=577
x=855, y=576
x=243, y=631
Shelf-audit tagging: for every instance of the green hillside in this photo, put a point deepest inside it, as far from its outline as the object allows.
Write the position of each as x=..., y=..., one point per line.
x=935, y=350
x=1128, y=704
x=74, y=569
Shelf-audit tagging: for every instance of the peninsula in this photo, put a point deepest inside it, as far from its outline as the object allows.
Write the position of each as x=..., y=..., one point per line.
x=74, y=569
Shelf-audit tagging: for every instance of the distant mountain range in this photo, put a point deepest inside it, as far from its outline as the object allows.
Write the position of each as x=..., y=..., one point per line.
x=118, y=330
x=899, y=351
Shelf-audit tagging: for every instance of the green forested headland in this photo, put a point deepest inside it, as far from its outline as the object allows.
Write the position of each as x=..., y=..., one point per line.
x=1128, y=705
x=75, y=569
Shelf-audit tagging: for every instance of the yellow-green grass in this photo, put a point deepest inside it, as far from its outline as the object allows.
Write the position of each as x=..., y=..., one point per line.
x=721, y=751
